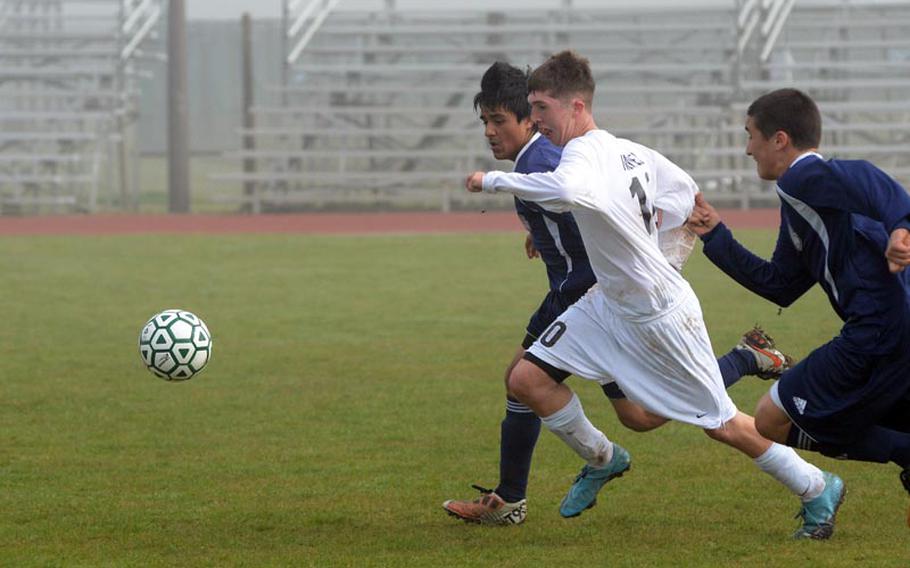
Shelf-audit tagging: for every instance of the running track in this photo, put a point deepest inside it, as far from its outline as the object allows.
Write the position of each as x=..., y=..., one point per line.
x=312, y=223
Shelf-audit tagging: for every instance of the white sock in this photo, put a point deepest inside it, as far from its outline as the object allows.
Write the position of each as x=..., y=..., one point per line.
x=571, y=425
x=799, y=476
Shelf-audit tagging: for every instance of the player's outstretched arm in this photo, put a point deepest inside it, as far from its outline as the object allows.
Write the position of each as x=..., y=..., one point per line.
x=898, y=251
x=704, y=216
x=782, y=280
x=474, y=182
x=565, y=188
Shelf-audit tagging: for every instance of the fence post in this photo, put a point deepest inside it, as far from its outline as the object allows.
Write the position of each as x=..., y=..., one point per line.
x=178, y=113
x=249, y=121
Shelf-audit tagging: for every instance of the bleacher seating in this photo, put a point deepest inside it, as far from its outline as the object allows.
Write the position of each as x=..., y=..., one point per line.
x=66, y=100
x=377, y=107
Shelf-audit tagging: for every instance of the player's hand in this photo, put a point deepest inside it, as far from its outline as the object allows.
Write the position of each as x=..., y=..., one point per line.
x=530, y=250
x=474, y=182
x=898, y=251
x=704, y=216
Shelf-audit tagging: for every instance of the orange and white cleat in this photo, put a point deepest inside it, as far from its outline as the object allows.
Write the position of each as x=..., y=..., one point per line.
x=771, y=361
x=488, y=509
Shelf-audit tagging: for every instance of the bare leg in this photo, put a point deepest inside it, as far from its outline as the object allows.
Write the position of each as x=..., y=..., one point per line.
x=532, y=386
x=740, y=433
x=778, y=461
x=561, y=412
x=772, y=422
x=634, y=417
x=515, y=359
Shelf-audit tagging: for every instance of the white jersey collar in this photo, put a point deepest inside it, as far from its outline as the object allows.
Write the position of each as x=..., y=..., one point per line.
x=805, y=155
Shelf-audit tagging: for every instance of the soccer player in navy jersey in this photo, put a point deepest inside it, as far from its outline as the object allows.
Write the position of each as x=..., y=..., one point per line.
x=844, y=226
x=554, y=237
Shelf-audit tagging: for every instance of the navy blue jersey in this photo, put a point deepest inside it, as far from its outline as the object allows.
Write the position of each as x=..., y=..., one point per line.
x=836, y=218
x=555, y=235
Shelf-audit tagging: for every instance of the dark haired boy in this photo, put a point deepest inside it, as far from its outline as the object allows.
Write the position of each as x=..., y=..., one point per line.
x=844, y=225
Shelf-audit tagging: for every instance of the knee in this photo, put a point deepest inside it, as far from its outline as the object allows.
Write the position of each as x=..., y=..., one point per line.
x=637, y=425
x=732, y=431
x=508, y=373
x=636, y=418
x=764, y=426
x=720, y=434
x=770, y=421
x=633, y=423
x=518, y=382
x=640, y=422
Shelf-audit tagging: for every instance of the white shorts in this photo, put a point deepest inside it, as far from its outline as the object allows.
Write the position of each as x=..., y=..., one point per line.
x=664, y=364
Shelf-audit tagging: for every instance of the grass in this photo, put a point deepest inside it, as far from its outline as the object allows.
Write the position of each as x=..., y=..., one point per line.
x=355, y=385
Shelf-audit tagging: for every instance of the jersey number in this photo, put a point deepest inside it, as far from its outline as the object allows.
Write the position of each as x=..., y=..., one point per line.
x=552, y=334
x=639, y=192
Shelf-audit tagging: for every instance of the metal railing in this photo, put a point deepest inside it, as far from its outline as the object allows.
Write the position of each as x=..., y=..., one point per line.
x=68, y=103
x=376, y=106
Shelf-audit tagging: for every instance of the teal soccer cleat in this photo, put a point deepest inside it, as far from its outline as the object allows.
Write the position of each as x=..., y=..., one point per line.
x=583, y=493
x=818, y=514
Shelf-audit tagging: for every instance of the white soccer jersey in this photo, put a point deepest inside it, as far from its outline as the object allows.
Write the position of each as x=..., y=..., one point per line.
x=641, y=325
x=614, y=186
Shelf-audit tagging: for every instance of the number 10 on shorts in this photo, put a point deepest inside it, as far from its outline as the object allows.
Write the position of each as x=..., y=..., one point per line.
x=552, y=334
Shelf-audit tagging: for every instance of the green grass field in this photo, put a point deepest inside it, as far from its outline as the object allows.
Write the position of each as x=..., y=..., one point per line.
x=355, y=385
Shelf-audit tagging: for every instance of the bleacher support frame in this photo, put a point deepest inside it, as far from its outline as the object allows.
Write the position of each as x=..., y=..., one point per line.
x=67, y=102
x=375, y=108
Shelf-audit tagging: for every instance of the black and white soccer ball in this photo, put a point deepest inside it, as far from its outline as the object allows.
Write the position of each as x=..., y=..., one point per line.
x=175, y=345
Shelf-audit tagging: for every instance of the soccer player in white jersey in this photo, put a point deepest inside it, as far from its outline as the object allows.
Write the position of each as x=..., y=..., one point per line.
x=554, y=238
x=641, y=325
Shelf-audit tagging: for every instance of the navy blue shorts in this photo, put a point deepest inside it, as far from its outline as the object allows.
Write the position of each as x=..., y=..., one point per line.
x=837, y=391
x=552, y=306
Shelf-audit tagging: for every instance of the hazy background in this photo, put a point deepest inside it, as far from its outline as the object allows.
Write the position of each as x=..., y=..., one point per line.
x=229, y=9
x=214, y=58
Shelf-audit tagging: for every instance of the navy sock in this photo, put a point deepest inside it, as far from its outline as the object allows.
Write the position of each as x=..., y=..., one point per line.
x=735, y=365
x=518, y=436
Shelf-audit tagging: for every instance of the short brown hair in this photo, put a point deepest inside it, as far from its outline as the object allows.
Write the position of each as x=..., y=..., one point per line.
x=564, y=73
x=790, y=111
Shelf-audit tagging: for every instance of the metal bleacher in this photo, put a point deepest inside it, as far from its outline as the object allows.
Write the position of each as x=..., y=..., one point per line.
x=376, y=106
x=67, y=101
x=855, y=60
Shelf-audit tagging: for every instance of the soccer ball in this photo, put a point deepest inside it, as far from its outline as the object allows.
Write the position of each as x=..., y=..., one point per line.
x=175, y=345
